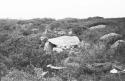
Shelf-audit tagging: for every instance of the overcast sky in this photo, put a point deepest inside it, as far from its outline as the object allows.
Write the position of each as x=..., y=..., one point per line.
x=28, y=9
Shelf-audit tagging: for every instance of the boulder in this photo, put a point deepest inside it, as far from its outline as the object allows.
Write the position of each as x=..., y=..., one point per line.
x=48, y=47
x=111, y=37
x=59, y=43
x=118, y=43
x=65, y=41
x=97, y=67
x=97, y=27
x=117, y=51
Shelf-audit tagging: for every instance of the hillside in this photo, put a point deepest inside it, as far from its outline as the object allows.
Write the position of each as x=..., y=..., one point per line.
x=23, y=58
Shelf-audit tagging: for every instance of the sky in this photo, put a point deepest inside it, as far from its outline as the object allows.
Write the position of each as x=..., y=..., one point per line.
x=59, y=9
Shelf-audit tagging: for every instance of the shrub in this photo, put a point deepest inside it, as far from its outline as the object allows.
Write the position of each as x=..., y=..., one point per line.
x=18, y=76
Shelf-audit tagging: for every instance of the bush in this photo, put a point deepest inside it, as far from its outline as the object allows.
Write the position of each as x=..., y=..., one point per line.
x=18, y=76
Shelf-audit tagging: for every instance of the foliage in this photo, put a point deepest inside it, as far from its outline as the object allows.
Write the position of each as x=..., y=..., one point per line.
x=21, y=49
x=18, y=76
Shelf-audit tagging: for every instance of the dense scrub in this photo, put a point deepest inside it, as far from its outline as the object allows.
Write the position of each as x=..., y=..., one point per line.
x=21, y=50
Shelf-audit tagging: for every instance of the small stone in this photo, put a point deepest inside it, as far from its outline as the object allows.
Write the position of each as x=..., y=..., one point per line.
x=113, y=71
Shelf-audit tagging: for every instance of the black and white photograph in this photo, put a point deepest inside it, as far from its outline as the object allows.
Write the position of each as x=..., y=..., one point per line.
x=62, y=40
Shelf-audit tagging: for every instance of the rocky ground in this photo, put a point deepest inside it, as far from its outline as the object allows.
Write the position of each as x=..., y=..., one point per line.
x=62, y=50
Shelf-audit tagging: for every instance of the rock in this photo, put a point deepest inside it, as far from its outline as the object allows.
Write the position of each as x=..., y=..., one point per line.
x=117, y=51
x=58, y=50
x=107, y=36
x=111, y=37
x=97, y=67
x=56, y=67
x=65, y=41
x=70, y=32
x=60, y=43
x=97, y=27
x=48, y=47
x=118, y=43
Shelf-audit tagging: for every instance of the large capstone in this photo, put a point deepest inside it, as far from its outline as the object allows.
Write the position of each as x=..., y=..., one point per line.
x=62, y=42
x=65, y=41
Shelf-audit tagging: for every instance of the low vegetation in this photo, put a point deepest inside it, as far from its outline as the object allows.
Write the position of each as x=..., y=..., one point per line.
x=22, y=55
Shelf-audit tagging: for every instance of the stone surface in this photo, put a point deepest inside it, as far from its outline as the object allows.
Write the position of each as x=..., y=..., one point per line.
x=97, y=27
x=65, y=41
x=111, y=37
x=58, y=50
x=48, y=47
x=118, y=43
